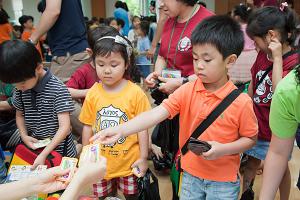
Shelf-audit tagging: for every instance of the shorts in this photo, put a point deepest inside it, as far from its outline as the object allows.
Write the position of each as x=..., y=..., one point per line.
x=127, y=185
x=259, y=150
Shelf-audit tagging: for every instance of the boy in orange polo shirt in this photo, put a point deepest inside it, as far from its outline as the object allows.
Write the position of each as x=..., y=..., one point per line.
x=217, y=42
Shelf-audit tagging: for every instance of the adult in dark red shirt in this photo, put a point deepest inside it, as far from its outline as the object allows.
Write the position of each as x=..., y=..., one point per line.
x=176, y=49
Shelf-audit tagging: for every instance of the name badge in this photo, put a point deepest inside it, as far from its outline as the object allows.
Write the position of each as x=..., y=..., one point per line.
x=171, y=73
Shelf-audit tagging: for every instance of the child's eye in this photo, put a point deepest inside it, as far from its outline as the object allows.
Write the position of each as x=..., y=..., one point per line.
x=195, y=59
x=208, y=60
x=114, y=65
x=100, y=65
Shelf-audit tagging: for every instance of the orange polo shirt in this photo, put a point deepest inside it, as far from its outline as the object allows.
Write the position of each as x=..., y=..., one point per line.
x=5, y=32
x=194, y=103
x=26, y=35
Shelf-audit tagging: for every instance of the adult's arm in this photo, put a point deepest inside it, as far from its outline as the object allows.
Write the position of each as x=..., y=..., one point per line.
x=48, y=19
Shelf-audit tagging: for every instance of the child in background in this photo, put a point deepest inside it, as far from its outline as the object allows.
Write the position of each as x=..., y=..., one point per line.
x=109, y=103
x=6, y=30
x=132, y=34
x=43, y=103
x=85, y=76
x=214, y=174
x=112, y=22
x=17, y=32
x=240, y=72
x=274, y=31
x=27, y=29
x=143, y=45
x=120, y=26
x=9, y=133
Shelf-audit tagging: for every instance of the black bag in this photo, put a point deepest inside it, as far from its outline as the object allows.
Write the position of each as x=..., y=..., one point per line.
x=165, y=135
x=148, y=187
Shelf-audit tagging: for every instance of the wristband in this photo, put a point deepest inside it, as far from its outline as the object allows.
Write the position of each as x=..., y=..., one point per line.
x=31, y=41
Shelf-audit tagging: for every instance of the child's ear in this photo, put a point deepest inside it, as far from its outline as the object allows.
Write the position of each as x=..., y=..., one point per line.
x=89, y=51
x=273, y=34
x=230, y=60
x=40, y=67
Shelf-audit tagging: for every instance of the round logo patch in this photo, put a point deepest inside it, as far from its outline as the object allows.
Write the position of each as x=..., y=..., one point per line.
x=184, y=44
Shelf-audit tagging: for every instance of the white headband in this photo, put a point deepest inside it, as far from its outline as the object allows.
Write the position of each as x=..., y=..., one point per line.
x=119, y=40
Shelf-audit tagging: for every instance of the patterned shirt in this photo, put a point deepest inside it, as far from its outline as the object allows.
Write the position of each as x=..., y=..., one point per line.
x=41, y=105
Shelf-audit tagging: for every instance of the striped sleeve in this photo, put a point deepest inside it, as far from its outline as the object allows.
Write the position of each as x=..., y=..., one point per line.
x=17, y=100
x=63, y=101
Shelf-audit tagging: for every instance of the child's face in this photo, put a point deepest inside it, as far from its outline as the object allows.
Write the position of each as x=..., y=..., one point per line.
x=136, y=22
x=29, y=24
x=114, y=24
x=209, y=64
x=110, y=69
x=31, y=82
x=261, y=44
x=27, y=85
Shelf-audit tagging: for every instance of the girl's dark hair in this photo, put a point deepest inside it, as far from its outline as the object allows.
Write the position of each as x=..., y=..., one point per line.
x=189, y=2
x=242, y=11
x=104, y=47
x=125, y=7
x=94, y=34
x=272, y=18
x=145, y=25
x=41, y=6
x=135, y=17
x=3, y=17
x=119, y=4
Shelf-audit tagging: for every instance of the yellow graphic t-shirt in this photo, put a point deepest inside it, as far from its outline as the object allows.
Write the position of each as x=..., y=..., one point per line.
x=102, y=110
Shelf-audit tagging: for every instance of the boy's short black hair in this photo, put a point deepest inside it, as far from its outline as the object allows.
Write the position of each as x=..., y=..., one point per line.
x=18, y=61
x=221, y=31
x=94, y=34
x=25, y=18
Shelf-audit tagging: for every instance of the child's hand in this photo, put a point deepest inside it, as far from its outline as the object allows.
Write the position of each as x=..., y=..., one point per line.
x=276, y=48
x=107, y=136
x=156, y=150
x=40, y=160
x=142, y=164
x=28, y=140
x=215, y=152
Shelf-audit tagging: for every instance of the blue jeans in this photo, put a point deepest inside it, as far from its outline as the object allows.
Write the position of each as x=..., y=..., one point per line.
x=194, y=188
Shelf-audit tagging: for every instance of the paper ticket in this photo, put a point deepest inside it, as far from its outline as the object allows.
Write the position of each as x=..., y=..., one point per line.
x=68, y=163
x=42, y=143
x=89, y=152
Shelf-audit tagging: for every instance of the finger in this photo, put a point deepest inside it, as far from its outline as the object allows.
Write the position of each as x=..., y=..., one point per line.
x=162, y=79
x=57, y=171
x=34, y=140
x=94, y=138
x=33, y=166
